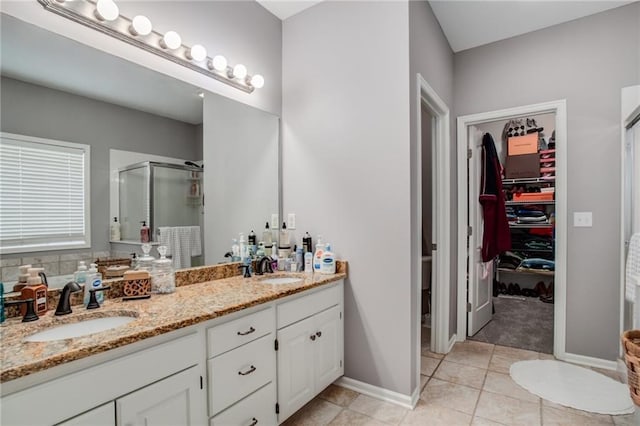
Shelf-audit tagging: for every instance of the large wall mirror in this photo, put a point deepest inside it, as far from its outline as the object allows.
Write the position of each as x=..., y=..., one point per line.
x=56, y=88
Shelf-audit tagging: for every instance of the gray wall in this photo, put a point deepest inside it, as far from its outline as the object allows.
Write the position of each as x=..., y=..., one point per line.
x=38, y=111
x=586, y=62
x=346, y=169
x=431, y=56
x=243, y=31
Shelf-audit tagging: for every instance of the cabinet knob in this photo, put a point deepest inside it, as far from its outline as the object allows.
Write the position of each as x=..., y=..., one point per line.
x=254, y=422
x=249, y=371
x=244, y=333
x=319, y=333
x=312, y=337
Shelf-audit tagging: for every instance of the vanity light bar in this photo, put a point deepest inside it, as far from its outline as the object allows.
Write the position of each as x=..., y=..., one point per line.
x=104, y=16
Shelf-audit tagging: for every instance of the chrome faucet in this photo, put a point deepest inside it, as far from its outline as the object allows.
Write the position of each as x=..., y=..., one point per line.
x=64, y=305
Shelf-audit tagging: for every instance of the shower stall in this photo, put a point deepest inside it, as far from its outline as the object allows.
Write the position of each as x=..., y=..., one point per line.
x=160, y=194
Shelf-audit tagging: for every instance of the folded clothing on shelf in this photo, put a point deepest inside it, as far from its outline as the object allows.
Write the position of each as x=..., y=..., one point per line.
x=537, y=264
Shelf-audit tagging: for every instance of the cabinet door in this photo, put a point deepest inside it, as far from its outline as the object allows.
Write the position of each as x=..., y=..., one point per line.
x=328, y=347
x=104, y=415
x=295, y=366
x=176, y=400
x=259, y=409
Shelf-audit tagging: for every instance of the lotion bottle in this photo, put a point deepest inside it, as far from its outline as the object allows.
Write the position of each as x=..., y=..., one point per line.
x=317, y=257
x=115, y=230
x=328, y=265
x=94, y=280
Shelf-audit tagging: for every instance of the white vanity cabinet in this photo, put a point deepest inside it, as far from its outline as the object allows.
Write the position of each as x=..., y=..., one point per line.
x=143, y=379
x=105, y=415
x=242, y=370
x=176, y=400
x=310, y=347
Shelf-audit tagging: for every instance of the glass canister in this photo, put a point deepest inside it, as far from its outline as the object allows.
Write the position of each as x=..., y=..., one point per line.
x=145, y=262
x=162, y=276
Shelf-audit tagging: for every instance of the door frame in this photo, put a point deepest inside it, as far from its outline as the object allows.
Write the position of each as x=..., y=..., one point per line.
x=630, y=107
x=441, y=270
x=559, y=108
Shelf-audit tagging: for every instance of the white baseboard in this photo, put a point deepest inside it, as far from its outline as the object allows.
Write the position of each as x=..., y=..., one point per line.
x=589, y=361
x=452, y=342
x=383, y=394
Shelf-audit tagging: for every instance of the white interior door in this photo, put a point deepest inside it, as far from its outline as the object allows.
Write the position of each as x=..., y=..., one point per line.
x=480, y=274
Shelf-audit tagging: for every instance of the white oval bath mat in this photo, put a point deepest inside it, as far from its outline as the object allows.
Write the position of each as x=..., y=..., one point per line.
x=573, y=386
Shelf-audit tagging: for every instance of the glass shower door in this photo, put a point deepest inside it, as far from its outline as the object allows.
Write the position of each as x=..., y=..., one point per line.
x=134, y=201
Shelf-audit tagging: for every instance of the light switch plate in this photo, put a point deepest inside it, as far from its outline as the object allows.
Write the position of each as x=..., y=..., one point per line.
x=291, y=221
x=582, y=219
x=275, y=222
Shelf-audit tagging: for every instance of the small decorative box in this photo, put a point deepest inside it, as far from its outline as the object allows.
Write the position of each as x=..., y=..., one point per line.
x=136, y=284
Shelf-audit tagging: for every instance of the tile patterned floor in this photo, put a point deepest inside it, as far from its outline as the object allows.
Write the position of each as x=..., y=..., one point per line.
x=469, y=386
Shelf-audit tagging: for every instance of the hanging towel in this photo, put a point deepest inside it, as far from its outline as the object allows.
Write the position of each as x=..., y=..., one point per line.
x=183, y=242
x=632, y=277
x=497, y=236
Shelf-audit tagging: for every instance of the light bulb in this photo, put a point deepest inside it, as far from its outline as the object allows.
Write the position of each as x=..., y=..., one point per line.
x=197, y=53
x=219, y=63
x=171, y=40
x=107, y=10
x=257, y=81
x=240, y=71
x=141, y=25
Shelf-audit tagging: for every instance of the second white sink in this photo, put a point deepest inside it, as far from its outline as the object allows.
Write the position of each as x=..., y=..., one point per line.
x=79, y=329
x=281, y=280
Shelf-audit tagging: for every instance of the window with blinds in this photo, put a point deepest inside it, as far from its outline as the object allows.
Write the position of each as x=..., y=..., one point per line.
x=44, y=194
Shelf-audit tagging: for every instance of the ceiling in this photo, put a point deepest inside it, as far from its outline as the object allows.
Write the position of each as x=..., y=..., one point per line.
x=32, y=54
x=468, y=24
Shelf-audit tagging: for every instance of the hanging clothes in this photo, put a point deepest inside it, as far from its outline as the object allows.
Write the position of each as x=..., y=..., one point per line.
x=496, y=237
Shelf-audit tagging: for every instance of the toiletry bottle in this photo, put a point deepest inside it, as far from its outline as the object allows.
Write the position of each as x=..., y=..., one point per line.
x=308, y=263
x=299, y=259
x=34, y=290
x=115, y=230
x=307, y=244
x=243, y=247
x=235, y=251
x=328, y=265
x=317, y=257
x=267, y=239
x=284, y=236
x=252, y=242
x=80, y=275
x=94, y=280
x=22, y=277
x=145, y=234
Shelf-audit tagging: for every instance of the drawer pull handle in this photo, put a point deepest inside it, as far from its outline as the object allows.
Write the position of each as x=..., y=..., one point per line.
x=244, y=333
x=254, y=422
x=312, y=337
x=319, y=333
x=249, y=371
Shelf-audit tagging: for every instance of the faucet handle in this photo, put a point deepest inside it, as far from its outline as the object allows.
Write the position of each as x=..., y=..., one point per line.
x=30, y=314
x=247, y=270
x=93, y=302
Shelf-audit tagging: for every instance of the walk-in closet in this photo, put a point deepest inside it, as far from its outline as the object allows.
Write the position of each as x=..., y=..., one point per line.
x=522, y=276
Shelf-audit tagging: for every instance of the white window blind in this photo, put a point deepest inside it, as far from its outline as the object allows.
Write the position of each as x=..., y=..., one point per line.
x=44, y=189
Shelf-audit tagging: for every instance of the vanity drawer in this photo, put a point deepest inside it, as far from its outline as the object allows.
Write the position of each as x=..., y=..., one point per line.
x=306, y=306
x=259, y=408
x=235, y=374
x=232, y=334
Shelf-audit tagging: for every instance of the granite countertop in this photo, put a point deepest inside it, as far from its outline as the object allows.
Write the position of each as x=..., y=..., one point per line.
x=189, y=305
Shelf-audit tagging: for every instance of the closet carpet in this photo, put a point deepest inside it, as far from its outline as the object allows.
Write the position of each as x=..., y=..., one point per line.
x=524, y=324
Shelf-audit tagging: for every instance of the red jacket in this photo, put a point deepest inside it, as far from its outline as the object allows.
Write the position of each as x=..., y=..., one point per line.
x=497, y=236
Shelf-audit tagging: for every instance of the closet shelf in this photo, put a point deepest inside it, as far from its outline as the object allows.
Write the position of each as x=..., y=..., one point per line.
x=529, y=203
x=528, y=180
x=530, y=225
x=527, y=272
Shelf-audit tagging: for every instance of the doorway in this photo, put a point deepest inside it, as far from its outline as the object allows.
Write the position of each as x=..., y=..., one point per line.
x=475, y=287
x=433, y=119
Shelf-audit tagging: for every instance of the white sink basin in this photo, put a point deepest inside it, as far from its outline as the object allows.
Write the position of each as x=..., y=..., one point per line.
x=281, y=280
x=79, y=329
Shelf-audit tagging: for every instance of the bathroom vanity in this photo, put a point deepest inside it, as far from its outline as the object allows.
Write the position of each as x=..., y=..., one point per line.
x=228, y=351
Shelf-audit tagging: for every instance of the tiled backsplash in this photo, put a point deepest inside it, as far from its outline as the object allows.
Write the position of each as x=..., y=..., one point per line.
x=53, y=265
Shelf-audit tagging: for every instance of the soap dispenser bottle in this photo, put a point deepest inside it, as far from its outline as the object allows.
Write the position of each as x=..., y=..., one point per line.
x=145, y=233
x=34, y=290
x=115, y=230
x=267, y=239
x=81, y=274
x=94, y=281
